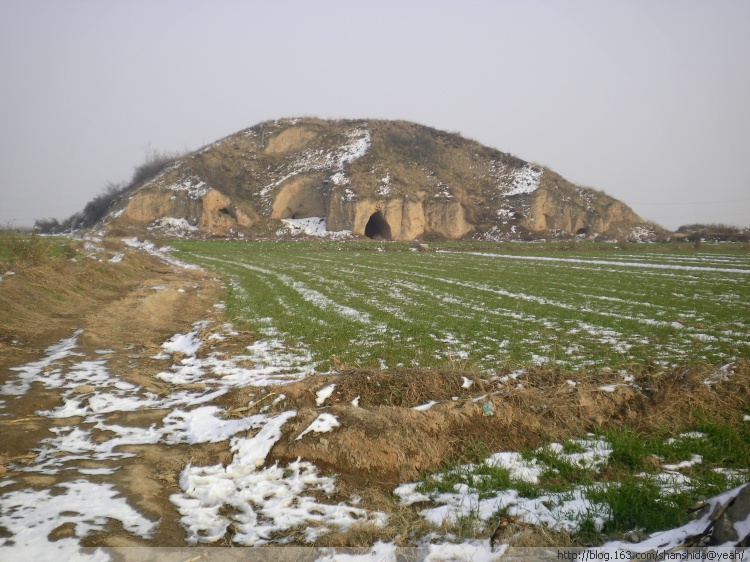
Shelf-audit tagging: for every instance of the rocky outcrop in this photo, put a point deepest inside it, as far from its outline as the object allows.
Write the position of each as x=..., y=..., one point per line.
x=379, y=179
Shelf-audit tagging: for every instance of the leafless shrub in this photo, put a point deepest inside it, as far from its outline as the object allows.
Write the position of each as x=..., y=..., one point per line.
x=714, y=233
x=155, y=162
x=96, y=209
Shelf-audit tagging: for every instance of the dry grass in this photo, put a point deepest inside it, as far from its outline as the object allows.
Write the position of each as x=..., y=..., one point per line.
x=46, y=300
x=20, y=249
x=540, y=412
x=384, y=442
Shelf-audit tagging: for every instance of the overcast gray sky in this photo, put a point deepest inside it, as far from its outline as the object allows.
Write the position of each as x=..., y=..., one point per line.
x=646, y=100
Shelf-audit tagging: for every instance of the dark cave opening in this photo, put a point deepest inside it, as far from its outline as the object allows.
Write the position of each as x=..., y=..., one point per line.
x=377, y=227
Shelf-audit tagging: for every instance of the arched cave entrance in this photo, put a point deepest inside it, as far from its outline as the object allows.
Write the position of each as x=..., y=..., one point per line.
x=582, y=231
x=377, y=227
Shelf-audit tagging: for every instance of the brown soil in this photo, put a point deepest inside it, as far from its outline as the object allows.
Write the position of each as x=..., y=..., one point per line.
x=133, y=306
x=383, y=441
x=441, y=186
x=129, y=307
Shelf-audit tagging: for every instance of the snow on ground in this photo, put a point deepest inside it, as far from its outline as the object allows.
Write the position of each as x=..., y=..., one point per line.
x=170, y=226
x=640, y=264
x=257, y=501
x=30, y=372
x=161, y=253
x=32, y=515
x=264, y=500
x=413, y=287
x=555, y=510
x=675, y=537
x=90, y=391
x=312, y=226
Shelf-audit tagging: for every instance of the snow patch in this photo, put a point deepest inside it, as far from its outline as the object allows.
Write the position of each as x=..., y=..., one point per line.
x=262, y=501
x=193, y=186
x=525, y=180
x=324, y=394
x=312, y=226
x=319, y=160
x=30, y=516
x=322, y=424
x=172, y=226
x=30, y=372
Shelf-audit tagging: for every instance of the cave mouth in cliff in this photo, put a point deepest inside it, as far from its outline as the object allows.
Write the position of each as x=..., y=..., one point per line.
x=377, y=227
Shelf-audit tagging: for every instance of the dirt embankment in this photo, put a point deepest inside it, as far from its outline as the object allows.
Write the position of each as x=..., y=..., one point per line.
x=132, y=300
x=124, y=309
x=128, y=307
x=382, y=440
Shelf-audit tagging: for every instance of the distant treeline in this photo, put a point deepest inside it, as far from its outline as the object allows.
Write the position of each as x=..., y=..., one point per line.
x=96, y=209
x=713, y=233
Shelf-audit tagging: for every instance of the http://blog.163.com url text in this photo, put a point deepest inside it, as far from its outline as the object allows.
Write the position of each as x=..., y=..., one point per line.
x=686, y=555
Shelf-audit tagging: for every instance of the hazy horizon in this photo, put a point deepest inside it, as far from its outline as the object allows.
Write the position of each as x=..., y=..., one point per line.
x=645, y=101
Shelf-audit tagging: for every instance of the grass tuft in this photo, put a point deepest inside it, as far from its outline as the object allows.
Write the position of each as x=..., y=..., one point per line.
x=29, y=248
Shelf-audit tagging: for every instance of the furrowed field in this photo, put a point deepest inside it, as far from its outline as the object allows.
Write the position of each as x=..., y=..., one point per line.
x=365, y=394
x=385, y=306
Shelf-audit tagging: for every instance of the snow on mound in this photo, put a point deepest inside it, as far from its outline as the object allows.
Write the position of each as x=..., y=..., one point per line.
x=642, y=233
x=324, y=394
x=195, y=187
x=172, y=226
x=339, y=178
x=525, y=180
x=318, y=160
x=356, y=149
x=311, y=226
x=322, y=424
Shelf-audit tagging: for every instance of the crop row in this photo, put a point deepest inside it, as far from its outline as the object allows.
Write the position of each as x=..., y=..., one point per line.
x=375, y=308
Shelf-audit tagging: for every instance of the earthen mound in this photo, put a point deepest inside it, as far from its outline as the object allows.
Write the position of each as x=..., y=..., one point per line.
x=389, y=180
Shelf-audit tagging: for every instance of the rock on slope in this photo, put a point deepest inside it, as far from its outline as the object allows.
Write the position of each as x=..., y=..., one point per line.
x=383, y=179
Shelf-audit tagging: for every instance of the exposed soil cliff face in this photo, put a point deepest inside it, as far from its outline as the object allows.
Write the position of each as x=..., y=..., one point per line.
x=292, y=139
x=382, y=179
x=555, y=209
x=212, y=212
x=148, y=206
x=559, y=206
x=298, y=198
x=407, y=219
